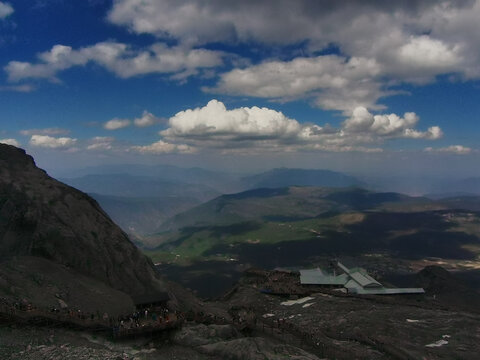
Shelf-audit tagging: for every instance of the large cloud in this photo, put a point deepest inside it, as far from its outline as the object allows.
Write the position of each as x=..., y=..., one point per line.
x=384, y=30
x=378, y=45
x=51, y=142
x=118, y=58
x=268, y=21
x=215, y=121
x=252, y=129
x=5, y=9
x=336, y=83
x=382, y=43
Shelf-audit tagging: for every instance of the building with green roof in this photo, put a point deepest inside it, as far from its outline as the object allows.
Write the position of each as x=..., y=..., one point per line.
x=354, y=280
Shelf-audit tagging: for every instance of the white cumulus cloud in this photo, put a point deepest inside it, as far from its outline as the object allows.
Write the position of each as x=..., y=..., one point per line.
x=381, y=43
x=214, y=120
x=147, y=119
x=335, y=82
x=13, y=142
x=119, y=58
x=162, y=147
x=252, y=129
x=391, y=125
x=51, y=142
x=116, y=123
x=411, y=38
x=5, y=9
x=101, y=143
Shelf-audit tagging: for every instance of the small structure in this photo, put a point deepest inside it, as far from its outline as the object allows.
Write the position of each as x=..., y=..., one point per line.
x=354, y=280
x=152, y=300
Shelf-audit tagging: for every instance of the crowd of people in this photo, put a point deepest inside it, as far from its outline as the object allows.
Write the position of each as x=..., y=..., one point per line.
x=145, y=319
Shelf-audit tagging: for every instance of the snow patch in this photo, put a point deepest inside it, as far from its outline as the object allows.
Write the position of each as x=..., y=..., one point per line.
x=299, y=301
x=439, y=343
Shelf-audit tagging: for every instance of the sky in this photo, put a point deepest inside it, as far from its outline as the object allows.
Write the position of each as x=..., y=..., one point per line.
x=370, y=87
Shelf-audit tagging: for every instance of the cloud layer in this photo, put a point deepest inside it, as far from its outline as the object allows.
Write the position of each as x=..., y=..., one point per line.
x=46, y=131
x=334, y=82
x=384, y=43
x=121, y=59
x=247, y=129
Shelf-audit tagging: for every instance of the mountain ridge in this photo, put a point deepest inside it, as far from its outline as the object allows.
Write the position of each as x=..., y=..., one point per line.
x=44, y=218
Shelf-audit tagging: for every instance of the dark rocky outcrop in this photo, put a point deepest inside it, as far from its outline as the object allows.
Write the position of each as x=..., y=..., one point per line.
x=50, y=285
x=225, y=342
x=41, y=217
x=448, y=289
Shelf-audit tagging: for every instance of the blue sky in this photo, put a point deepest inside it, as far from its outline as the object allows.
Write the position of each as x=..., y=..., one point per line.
x=372, y=86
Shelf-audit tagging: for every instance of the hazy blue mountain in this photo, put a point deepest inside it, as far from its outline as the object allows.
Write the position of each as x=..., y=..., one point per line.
x=220, y=181
x=127, y=185
x=448, y=195
x=469, y=185
x=432, y=187
x=141, y=216
x=284, y=177
x=471, y=203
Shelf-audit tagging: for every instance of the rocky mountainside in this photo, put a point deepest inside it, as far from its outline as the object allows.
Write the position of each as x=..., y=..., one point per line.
x=286, y=204
x=41, y=217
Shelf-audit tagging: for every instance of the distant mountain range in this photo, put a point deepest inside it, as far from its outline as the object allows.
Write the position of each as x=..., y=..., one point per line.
x=283, y=177
x=140, y=198
x=285, y=204
x=141, y=201
x=220, y=181
x=127, y=185
x=430, y=186
x=462, y=186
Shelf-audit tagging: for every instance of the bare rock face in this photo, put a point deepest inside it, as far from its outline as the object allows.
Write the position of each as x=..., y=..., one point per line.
x=50, y=285
x=224, y=342
x=42, y=217
x=201, y=334
x=255, y=349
